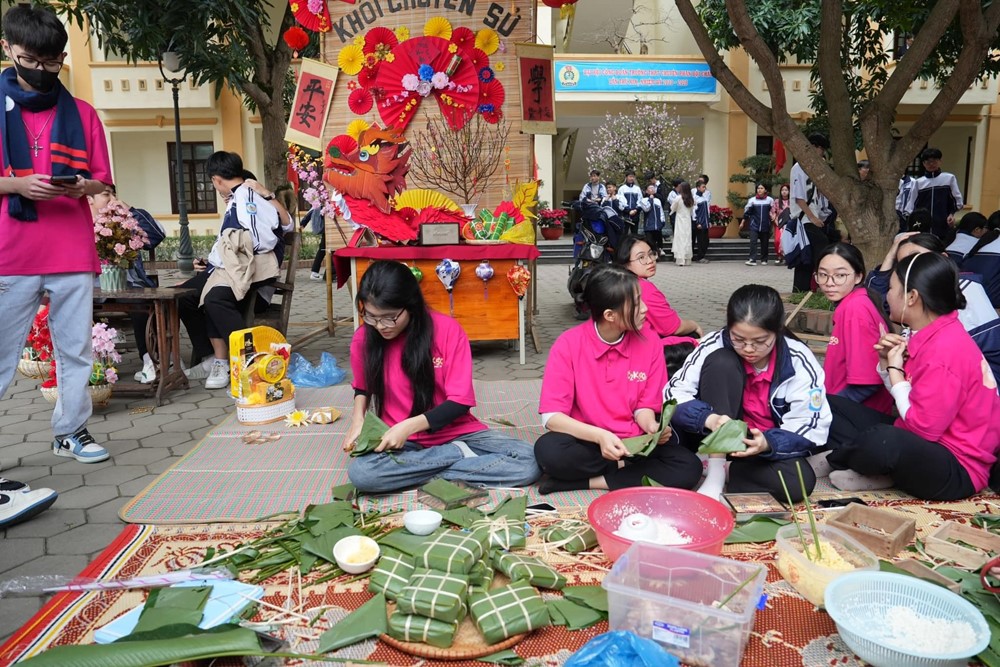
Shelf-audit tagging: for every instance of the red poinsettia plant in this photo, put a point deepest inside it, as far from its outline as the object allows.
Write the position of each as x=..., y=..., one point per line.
x=552, y=217
x=39, y=347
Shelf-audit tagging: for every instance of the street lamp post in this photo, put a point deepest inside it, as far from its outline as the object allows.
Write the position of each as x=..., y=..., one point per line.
x=185, y=253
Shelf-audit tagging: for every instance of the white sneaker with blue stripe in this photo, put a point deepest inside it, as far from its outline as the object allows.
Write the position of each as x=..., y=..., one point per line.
x=21, y=505
x=80, y=446
x=12, y=486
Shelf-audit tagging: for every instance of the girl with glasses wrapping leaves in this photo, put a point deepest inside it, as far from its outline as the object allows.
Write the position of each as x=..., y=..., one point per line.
x=754, y=370
x=413, y=367
x=945, y=440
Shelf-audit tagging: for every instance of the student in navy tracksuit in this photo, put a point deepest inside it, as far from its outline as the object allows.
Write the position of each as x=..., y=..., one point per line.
x=699, y=233
x=629, y=196
x=757, y=217
x=653, y=219
x=970, y=229
x=937, y=191
x=984, y=259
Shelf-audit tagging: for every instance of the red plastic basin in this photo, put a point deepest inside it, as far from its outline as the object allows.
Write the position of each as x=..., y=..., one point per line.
x=708, y=521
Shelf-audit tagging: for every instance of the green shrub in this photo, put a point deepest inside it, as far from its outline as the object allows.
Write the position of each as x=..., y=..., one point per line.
x=167, y=250
x=817, y=302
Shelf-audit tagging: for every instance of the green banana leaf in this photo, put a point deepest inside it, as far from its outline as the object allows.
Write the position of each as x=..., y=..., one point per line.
x=406, y=542
x=170, y=606
x=514, y=508
x=726, y=439
x=322, y=546
x=507, y=657
x=644, y=445
x=343, y=492
x=324, y=518
x=462, y=516
x=371, y=435
x=594, y=597
x=755, y=530
x=445, y=491
x=369, y=620
x=230, y=642
x=576, y=616
x=649, y=481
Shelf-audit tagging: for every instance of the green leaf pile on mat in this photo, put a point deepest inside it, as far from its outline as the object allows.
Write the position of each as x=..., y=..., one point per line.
x=755, y=530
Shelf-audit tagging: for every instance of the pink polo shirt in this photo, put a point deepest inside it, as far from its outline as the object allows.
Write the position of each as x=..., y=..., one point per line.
x=757, y=394
x=663, y=319
x=954, y=398
x=603, y=384
x=451, y=357
x=851, y=358
x=62, y=239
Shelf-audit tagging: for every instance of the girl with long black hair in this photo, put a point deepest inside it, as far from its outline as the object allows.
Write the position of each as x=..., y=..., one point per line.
x=757, y=371
x=413, y=367
x=947, y=434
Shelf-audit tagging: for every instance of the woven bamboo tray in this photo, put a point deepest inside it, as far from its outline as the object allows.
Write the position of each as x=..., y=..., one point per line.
x=99, y=394
x=33, y=368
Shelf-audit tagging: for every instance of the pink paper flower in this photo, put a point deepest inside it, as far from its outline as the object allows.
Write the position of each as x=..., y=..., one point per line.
x=424, y=88
x=440, y=80
x=410, y=82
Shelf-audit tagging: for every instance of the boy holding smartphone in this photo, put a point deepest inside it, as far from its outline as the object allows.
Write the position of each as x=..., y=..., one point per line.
x=52, y=152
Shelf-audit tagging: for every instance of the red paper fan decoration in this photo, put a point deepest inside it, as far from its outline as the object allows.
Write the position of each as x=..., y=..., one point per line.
x=464, y=39
x=380, y=36
x=492, y=94
x=478, y=60
x=408, y=214
x=492, y=117
x=360, y=101
x=340, y=144
x=367, y=76
x=397, y=106
x=296, y=38
x=389, y=225
x=431, y=214
x=315, y=22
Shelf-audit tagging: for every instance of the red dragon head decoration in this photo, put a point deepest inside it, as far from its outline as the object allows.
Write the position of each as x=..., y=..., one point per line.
x=371, y=168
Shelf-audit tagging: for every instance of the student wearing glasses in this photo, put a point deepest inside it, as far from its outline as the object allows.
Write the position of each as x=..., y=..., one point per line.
x=413, y=367
x=639, y=258
x=851, y=362
x=757, y=371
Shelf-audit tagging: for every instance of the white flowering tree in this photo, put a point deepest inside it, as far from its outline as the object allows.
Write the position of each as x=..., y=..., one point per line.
x=646, y=141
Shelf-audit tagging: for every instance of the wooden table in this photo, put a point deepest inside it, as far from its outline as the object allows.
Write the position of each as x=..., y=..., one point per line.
x=160, y=303
x=486, y=312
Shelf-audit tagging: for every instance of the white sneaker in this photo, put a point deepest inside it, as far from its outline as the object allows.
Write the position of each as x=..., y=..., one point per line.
x=218, y=376
x=315, y=276
x=12, y=486
x=17, y=507
x=148, y=372
x=764, y=263
x=750, y=262
x=199, y=371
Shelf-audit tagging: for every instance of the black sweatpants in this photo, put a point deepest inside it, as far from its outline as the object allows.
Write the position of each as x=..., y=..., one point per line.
x=818, y=240
x=655, y=240
x=865, y=441
x=699, y=242
x=721, y=386
x=565, y=458
x=220, y=315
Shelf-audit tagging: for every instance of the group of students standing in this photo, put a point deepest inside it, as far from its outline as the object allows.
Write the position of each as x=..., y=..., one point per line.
x=677, y=212
x=870, y=413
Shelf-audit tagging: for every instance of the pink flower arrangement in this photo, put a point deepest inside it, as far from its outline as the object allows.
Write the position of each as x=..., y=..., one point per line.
x=103, y=343
x=552, y=217
x=118, y=236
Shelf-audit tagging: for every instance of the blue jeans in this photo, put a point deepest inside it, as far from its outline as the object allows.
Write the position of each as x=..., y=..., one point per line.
x=501, y=461
x=71, y=313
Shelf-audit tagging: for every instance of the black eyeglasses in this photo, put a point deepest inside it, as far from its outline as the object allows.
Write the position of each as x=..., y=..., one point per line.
x=33, y=63
x=384, y=322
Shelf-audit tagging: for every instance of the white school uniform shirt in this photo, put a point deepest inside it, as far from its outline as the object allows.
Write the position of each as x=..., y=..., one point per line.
x=803, y=188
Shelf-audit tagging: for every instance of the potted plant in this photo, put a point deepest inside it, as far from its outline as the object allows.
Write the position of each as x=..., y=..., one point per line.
x=551, y=221
x=719, y=218
x=104, y=372
x=118, y=238
x=36, y=357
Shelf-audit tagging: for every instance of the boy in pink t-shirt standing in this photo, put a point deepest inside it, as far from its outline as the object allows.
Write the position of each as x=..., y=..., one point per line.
x=53, y=152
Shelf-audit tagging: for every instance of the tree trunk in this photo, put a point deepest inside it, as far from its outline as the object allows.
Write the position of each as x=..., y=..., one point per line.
x=272, y=121
x=870, y=217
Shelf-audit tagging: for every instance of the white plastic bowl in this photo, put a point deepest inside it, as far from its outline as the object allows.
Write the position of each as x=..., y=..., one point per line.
x=356, y=553
x=422, y=522
x=858, y=602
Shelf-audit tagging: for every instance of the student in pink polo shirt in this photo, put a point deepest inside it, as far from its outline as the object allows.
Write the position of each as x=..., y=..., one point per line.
x=757, y=371
x=413, y=367
x=851, y=363
x=947, y=435
x=601, y=385
x=638, y=257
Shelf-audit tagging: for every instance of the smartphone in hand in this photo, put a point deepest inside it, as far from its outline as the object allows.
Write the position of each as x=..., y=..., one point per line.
x=63, y=180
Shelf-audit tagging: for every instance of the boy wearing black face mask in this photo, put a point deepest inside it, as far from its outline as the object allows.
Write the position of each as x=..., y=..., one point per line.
x=46, y=230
